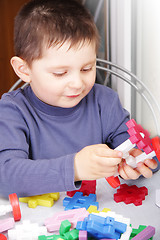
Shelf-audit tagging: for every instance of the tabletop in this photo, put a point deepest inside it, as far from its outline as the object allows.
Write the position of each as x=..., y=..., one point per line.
x=146, y=214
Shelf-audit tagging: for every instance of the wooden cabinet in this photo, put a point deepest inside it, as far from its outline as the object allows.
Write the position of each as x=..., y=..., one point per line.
x=8, y=11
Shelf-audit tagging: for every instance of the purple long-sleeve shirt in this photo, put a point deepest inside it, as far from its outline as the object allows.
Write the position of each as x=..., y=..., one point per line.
x=38, y=142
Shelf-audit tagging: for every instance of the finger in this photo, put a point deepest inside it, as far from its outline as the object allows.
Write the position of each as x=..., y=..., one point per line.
x=144, y=170
x=109, y=162
x=151, y=163
x=105, y=151
x=131, y=173
x=122, y=173
x=135, y=152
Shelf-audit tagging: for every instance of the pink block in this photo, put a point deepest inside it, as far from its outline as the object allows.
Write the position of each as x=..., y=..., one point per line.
x=73, y=216
x=83, y=235
x=6, y=224
x=139, y=136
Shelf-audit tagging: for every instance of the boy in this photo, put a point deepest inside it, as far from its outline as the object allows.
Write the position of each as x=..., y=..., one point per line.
x=60, y=129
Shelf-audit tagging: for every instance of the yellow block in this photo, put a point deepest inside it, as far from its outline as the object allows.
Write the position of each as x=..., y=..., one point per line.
x=46, y=200
x=93, y=209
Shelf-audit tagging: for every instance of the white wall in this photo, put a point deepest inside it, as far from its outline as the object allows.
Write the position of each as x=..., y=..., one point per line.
x=148, y=57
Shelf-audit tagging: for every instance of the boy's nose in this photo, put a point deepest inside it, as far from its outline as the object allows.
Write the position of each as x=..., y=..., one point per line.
x=76, y=82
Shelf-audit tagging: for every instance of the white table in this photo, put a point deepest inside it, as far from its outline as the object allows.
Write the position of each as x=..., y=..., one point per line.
x=146, y=214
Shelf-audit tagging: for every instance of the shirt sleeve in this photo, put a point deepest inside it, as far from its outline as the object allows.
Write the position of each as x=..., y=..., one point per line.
x=19, y=173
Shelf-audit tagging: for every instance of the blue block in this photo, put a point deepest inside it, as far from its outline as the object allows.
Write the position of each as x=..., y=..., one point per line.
x=120, y=227
x=82, y=225
x=80, y=201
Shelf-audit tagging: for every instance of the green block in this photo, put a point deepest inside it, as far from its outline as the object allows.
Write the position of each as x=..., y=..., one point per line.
x=72, y=235
x=55, y=237
x=42, y=237
x=65, y=227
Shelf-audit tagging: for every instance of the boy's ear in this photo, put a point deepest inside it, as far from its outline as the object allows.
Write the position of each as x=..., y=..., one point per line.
x=21, y=68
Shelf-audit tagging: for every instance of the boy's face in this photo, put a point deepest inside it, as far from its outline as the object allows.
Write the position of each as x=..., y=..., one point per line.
x=63, y=76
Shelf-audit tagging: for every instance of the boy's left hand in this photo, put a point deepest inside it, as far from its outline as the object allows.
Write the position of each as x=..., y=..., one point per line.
x=127, y=172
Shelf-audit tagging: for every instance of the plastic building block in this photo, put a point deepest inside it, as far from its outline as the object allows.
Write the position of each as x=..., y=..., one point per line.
x=26, y=230
x=46, y=200
x=145, y=234
x=83, y=235
x=139, y=136
x=65, y=233
x=135, y=231
x=117, y=217
x=101, y=227
x=93, y=209
x=71, y=235
x=87, y=188
x=113, y=181
x=80, y=201
x=51, y=237
x=74, y=215
x=13, y=207
x=6, y=224
x=65, y=227
x=130, y=194
x=2, y=237
x=156, y=146
x=126, y=234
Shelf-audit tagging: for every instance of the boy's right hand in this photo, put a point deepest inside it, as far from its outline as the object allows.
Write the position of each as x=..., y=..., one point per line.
x=96, y=161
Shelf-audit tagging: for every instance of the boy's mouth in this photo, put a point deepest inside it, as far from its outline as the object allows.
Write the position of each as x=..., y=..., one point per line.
x=74, y=96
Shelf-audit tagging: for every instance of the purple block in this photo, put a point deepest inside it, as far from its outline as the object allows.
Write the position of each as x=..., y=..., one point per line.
x=147, y=233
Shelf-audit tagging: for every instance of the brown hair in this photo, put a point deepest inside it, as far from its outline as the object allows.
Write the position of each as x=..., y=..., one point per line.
x=49, y=23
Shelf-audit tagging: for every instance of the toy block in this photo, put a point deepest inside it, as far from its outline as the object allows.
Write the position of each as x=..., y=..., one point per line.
x=83, y=235
x=156, y=146
x=113, y=181
x=51, y=237
x=64, y=227
x=126, y=235
x=145, y=234
x=46, y=200
x=143, y=156
x=73, y=215
x=13, y=207
x=125, y=147
x=26, y=230
x=93, y=209
x=139, y=136
x=71, y=235
x=117, y=217
x=80, y=201
x=2, y=237
x=135, y=231
x=65, y=233
x=130, y=194
x=100, y=227
x=6, y=224
x=86, y=188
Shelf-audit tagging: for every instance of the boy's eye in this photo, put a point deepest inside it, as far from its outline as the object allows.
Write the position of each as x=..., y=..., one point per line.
x=59, y=74
x=87, y=69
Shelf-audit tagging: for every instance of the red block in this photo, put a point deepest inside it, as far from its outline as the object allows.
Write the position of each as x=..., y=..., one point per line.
x=87, y=188
x=130, y=194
